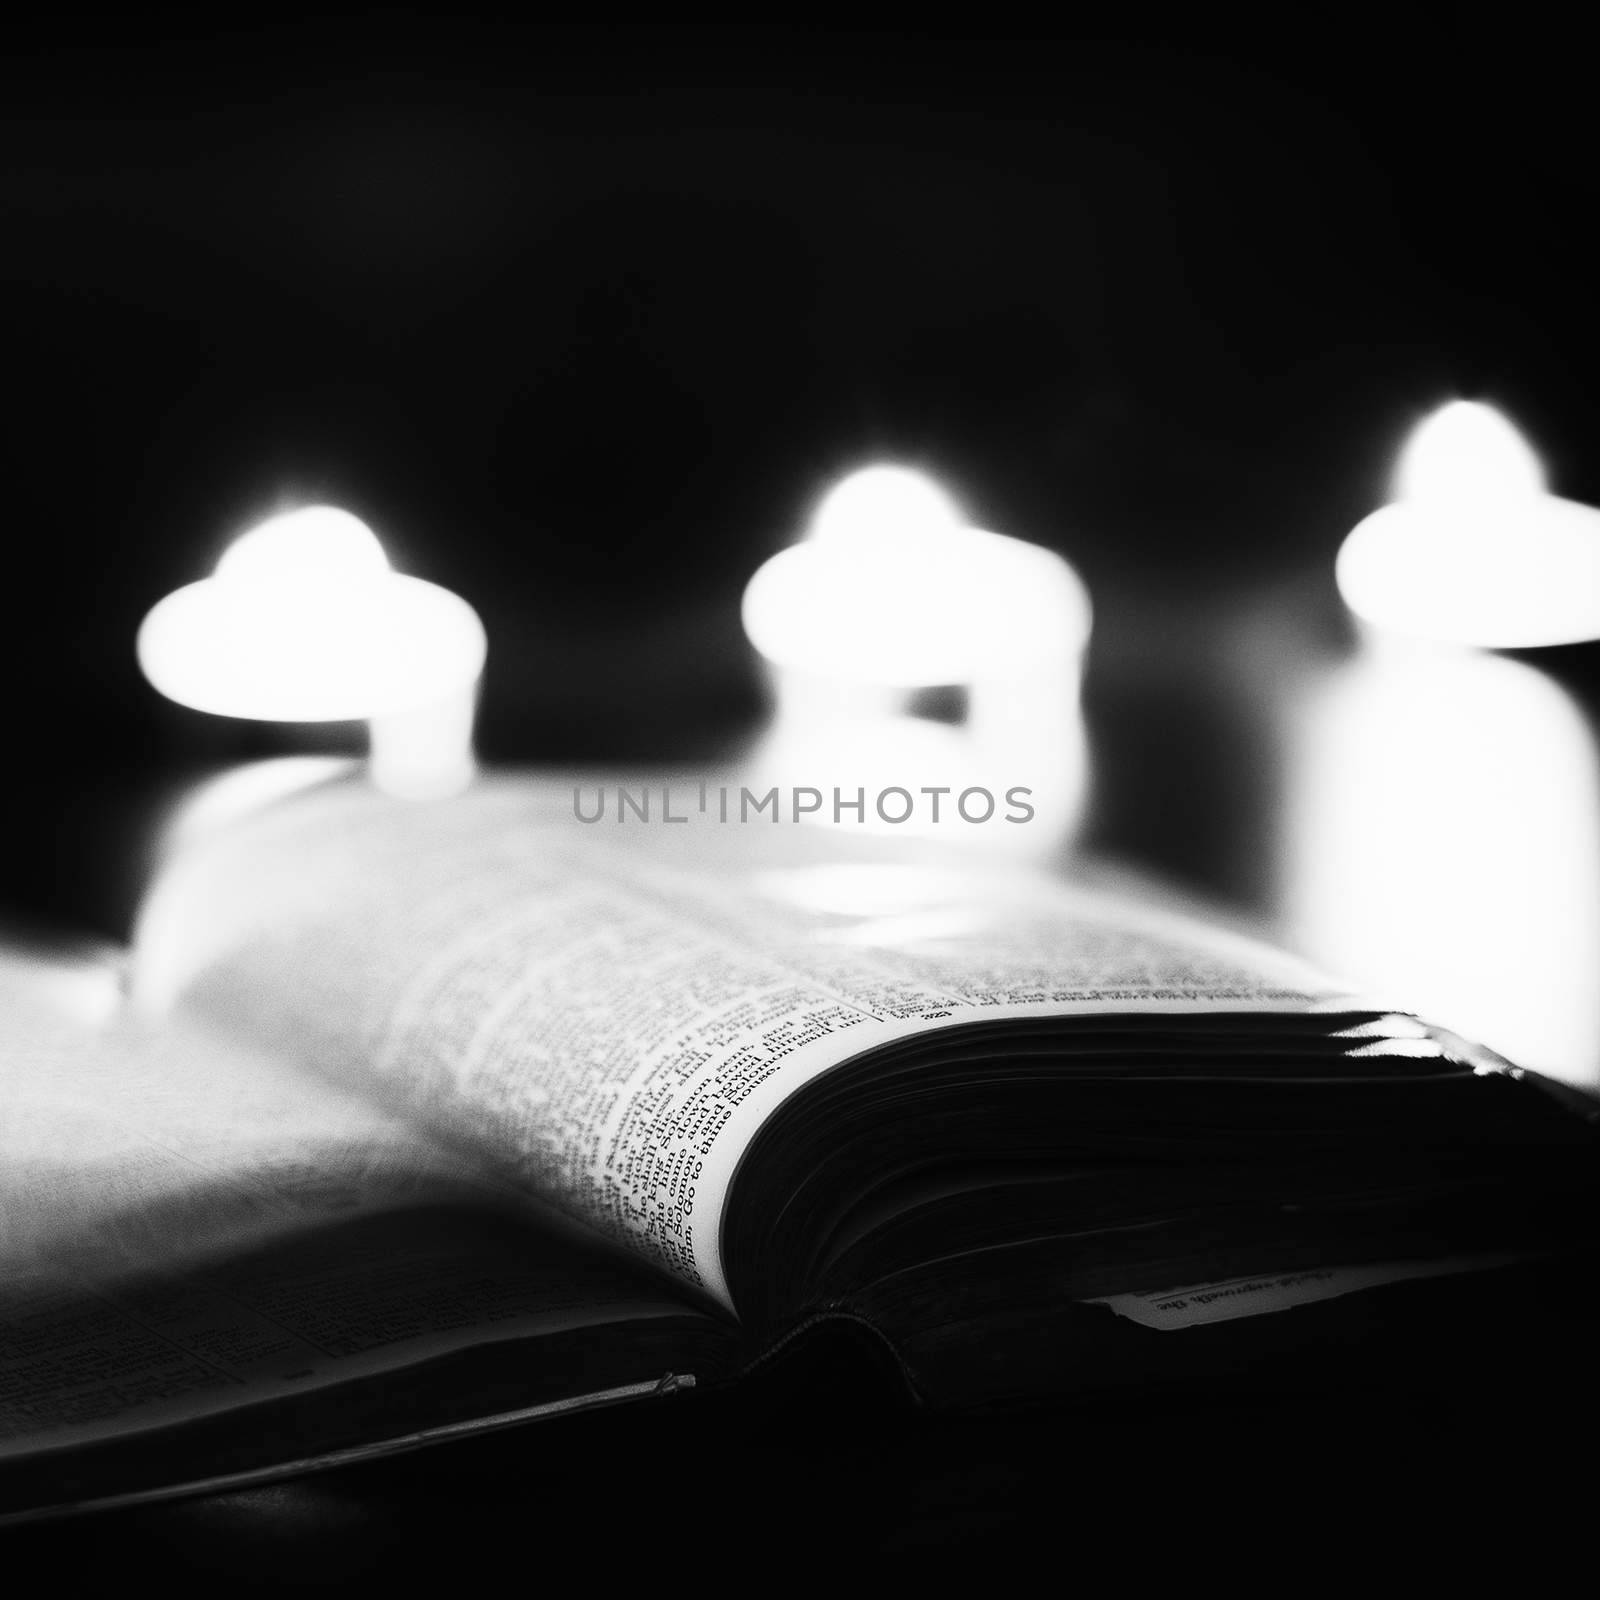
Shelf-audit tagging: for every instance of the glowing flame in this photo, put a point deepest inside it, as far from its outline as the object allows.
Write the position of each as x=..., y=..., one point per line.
x=1467, y=452
x=317, y=549
x=304, y=621
x=1474, y=551
x=893, y=589
x=885, y=501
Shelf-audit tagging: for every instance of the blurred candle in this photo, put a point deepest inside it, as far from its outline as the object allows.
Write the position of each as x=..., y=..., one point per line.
x=1444, y=812
x=305, y=621
x=893, y=592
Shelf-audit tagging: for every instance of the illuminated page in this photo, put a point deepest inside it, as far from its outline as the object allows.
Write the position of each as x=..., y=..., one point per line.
x=129, y=1139
x=189, y=1225
x=614, y=1014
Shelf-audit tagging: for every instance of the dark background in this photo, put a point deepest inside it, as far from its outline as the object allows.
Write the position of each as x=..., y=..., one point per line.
x=582, y=319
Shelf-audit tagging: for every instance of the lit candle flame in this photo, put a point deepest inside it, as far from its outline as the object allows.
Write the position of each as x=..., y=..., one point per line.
x=885, y=501
x=305, y=621
x=894, y=589
x=1475, y=551
x=1469, y=452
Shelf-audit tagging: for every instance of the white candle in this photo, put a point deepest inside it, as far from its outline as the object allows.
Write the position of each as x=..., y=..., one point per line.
x=1443, y=814
x=893, y=591
x=305, y=621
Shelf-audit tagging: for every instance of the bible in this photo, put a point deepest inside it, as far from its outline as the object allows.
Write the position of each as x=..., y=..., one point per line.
x=403, y=1121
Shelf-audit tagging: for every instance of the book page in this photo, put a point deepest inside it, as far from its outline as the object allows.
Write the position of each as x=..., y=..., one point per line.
x=1197, y=1305
x=189, y=1224
x=613, y=1013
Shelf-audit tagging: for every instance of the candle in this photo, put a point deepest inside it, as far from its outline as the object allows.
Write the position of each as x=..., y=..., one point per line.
x=1443, y=813
x=891, y=592
x=305, y=621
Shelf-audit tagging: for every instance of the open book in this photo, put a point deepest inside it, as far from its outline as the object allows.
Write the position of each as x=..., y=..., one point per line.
x=403, y=1120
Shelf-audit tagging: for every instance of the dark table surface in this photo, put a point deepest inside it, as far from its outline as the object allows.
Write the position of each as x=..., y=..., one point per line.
x=1479, y=1455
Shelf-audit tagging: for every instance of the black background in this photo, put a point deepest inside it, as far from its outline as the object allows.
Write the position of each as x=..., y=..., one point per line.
x=582, y=319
